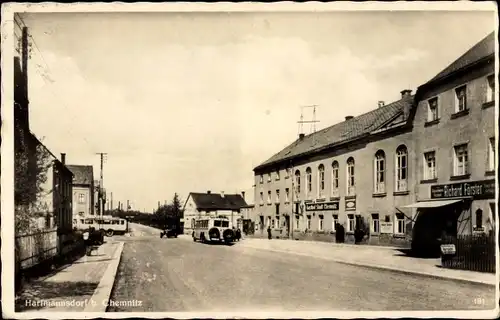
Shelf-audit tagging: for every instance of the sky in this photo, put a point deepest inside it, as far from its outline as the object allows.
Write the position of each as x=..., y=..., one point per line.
x=190, y=102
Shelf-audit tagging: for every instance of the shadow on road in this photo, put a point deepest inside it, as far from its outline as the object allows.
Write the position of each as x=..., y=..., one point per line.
x=51, y=290
x=410, y=253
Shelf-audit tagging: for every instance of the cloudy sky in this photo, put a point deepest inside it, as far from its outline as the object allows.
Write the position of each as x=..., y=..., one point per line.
x=194, y=101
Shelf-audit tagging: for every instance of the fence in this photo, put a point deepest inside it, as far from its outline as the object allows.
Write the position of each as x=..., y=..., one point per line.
x=34, y=248
x=473, y=253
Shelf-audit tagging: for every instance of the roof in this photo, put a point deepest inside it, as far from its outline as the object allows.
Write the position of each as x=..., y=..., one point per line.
x=342, y=132
x=483, y=49
x=215, y=201
x=82, y=174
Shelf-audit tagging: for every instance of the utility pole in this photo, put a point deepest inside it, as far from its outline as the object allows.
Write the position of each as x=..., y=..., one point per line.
x=128, y=205
x=25, y=56
x=101, y=185
x=112, y=201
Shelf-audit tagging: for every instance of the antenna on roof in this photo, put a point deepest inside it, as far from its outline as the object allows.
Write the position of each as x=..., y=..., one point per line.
x=312, y=122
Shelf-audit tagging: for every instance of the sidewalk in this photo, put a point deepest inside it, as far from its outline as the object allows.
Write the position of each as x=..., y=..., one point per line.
x=387, y=258
x=71, y=288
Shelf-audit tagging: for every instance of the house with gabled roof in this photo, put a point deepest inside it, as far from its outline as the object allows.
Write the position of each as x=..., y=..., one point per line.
x=200, y=205
x=83, y=190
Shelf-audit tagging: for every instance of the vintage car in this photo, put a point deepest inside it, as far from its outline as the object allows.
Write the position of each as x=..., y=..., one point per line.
x=169, y=233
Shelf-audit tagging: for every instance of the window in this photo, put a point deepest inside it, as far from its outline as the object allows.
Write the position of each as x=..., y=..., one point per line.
x=297, y=184
x=351, y=223
x=490, y=88
x=297, y=222
x=261, y=179
x=309, y=181
x=320, y=227
x=277, y=195
x=335, y=220
x=269, y=197
x=400, y=223
x=491, y=155
x=350, y=177
x=375, y=223
x=401, y=169
x=268, y=222
x=277, y=174
x=432, y=113
x=287, y=194
x=461, y=99
x=430, y=165
x=380, y=172
x=262, y=197
x=461, y=160
x=335, y=179
x=321, y=180
x=479, y=218
x=308, y=222
x=268, y=177
x=81, y=198
x=287, y=173
x=273, y=224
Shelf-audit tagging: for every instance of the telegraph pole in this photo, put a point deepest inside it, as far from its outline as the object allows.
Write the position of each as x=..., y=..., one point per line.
x=112, y=201
x=101, y=185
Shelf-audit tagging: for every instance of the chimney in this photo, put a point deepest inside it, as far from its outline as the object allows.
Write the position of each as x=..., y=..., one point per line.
x=405, y=93
x=222, y=194
x=381, y=103
x=63, y=158
x=209, y=192
x=301, y=136
x=347, y=118
x=243, y=194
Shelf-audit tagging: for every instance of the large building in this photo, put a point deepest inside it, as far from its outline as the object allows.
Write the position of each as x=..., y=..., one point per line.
x=371, y=168
x=201, y=205
x=83, y=190
x=454, y=135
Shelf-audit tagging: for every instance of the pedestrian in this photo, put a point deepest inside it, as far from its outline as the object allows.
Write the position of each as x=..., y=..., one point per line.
x=269, y=235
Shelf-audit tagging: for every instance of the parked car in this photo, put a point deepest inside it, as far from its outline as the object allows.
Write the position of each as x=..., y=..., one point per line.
x=169, y=233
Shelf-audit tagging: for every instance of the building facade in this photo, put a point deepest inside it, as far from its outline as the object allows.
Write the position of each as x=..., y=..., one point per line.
x=357, y=171
x=454, y=133
x=201, y=205
x=83, y=190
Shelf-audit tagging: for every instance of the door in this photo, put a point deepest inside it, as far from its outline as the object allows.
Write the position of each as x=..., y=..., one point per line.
x=261, y=223
x=287, y=225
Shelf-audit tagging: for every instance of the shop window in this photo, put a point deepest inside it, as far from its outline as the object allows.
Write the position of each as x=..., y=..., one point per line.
x=401, y=169
x=430, y=165
x=335, y=220
x=297, y=222
x=479, y=218
x=460, y=160
x=309, y=182
x=400, y=223
x=308, y=222
x=297, y=184
x=321, y=225
x=490, y=88
x=380, y=172
x=351, y=223
x=335, y=179
x=432, y=113
x=351, y=186
x=375, y=225
x=491, y=155
x=461, y=99
x=321, y=181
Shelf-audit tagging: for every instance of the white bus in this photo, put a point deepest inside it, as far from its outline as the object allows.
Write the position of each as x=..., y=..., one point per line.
x=213, y=229
x=108, y=224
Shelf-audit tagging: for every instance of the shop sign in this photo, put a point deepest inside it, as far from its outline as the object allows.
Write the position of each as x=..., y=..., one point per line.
x=350, y=204
x=448, y=249
x=386, y=227
x=323, y=206
x=477, y=190
x=478, y=229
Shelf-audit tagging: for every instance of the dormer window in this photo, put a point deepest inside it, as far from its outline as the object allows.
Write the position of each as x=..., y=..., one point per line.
x=432, y=114
x=461, y=99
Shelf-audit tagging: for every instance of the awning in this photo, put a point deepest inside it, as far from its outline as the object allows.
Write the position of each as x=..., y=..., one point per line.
x=432, y=204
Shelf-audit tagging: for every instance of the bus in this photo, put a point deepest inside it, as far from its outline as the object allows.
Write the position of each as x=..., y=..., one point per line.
x=213, y=230
x=110, y=225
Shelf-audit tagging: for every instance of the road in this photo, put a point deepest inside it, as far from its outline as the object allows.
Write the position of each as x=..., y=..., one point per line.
x=172, y=275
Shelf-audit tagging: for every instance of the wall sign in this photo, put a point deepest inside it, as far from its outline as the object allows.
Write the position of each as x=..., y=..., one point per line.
x=350, y=204
x=386, y=227
x=484, y=189
x=324, y=206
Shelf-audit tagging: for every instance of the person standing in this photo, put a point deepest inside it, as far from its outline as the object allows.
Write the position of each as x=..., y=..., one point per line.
x=269, y=235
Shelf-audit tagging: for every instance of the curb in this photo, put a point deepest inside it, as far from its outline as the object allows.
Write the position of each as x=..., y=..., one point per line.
x=100, y=298
x=386, y=268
